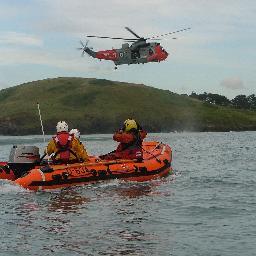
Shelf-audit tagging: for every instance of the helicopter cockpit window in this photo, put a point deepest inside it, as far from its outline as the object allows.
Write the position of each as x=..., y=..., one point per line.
x=162, y=49
x=150, y=51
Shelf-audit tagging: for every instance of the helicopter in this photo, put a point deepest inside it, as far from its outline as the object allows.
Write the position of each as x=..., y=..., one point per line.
x=139, y=51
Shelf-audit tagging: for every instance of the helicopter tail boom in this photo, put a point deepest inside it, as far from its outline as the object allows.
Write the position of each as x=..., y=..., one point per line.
x=101, y=55
x=90, y=52
x=107, y=55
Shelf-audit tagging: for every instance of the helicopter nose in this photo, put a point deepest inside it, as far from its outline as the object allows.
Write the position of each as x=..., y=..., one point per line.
x=165, y=54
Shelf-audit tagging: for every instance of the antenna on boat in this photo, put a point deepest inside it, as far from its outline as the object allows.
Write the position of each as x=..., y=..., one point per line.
x=42, y=127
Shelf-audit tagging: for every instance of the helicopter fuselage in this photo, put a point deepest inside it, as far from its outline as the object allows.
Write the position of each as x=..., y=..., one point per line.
x=138, y=52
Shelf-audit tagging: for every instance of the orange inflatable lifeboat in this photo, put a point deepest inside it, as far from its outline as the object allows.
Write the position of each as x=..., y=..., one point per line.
x=156, y=163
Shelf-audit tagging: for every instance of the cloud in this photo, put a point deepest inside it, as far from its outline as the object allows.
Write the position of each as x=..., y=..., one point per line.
x=200, y=58
x=102, y=16
x=8, y=11
x=232, y=83
x=15, y=38
x=14, y=57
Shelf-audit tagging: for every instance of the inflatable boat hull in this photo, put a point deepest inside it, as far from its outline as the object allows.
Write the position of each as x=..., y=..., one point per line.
x=156, y=163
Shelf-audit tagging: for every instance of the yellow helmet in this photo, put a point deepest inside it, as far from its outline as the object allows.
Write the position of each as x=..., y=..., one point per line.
x=130, y=124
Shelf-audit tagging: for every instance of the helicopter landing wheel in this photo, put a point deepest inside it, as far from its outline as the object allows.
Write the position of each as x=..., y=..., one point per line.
x=115, y=67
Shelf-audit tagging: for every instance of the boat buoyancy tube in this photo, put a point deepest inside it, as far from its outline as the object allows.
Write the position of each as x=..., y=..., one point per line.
x=23, y=158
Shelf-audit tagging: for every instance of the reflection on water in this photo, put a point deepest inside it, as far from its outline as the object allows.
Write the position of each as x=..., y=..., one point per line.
x=107, y=213
x=67, y=200
x=133, y=191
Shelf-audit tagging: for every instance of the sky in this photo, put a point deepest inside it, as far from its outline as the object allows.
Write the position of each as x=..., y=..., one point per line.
x=39, y=39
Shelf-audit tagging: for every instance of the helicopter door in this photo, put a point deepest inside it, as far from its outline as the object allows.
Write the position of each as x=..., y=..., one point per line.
x=135, y=54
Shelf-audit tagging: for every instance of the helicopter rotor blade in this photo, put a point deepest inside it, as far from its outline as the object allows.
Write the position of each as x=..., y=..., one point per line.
x=108, y=37
x=178, y=31
x=132, y=32
x=155, y=39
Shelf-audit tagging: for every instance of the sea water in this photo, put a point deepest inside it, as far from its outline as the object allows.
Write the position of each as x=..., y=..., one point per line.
x=207, y=207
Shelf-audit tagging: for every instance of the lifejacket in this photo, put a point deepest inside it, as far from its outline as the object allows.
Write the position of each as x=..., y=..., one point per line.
x=132, y=150
x=63, y=142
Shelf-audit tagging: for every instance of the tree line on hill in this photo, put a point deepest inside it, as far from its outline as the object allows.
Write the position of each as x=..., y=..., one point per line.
x=240, y=101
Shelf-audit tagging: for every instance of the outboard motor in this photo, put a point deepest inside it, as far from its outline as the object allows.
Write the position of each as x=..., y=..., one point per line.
x=23, y=158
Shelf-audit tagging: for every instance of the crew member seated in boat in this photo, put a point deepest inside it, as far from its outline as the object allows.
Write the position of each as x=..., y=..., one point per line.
x=130, y=139
x=76, y=134
x=65, y=147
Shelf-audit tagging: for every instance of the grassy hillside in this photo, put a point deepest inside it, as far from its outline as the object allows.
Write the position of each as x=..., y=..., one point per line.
x=100, y=106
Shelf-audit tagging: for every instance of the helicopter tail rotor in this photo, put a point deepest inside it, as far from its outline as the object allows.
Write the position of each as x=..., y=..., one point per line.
x=84, y=47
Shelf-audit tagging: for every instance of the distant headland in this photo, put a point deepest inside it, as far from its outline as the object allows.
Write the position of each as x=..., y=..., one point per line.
x=100, y=106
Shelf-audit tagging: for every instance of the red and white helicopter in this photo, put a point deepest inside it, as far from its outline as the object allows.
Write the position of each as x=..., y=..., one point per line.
x=139, y=51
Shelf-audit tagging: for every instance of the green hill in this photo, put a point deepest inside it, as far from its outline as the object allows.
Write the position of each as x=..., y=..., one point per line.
x=100, y=106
